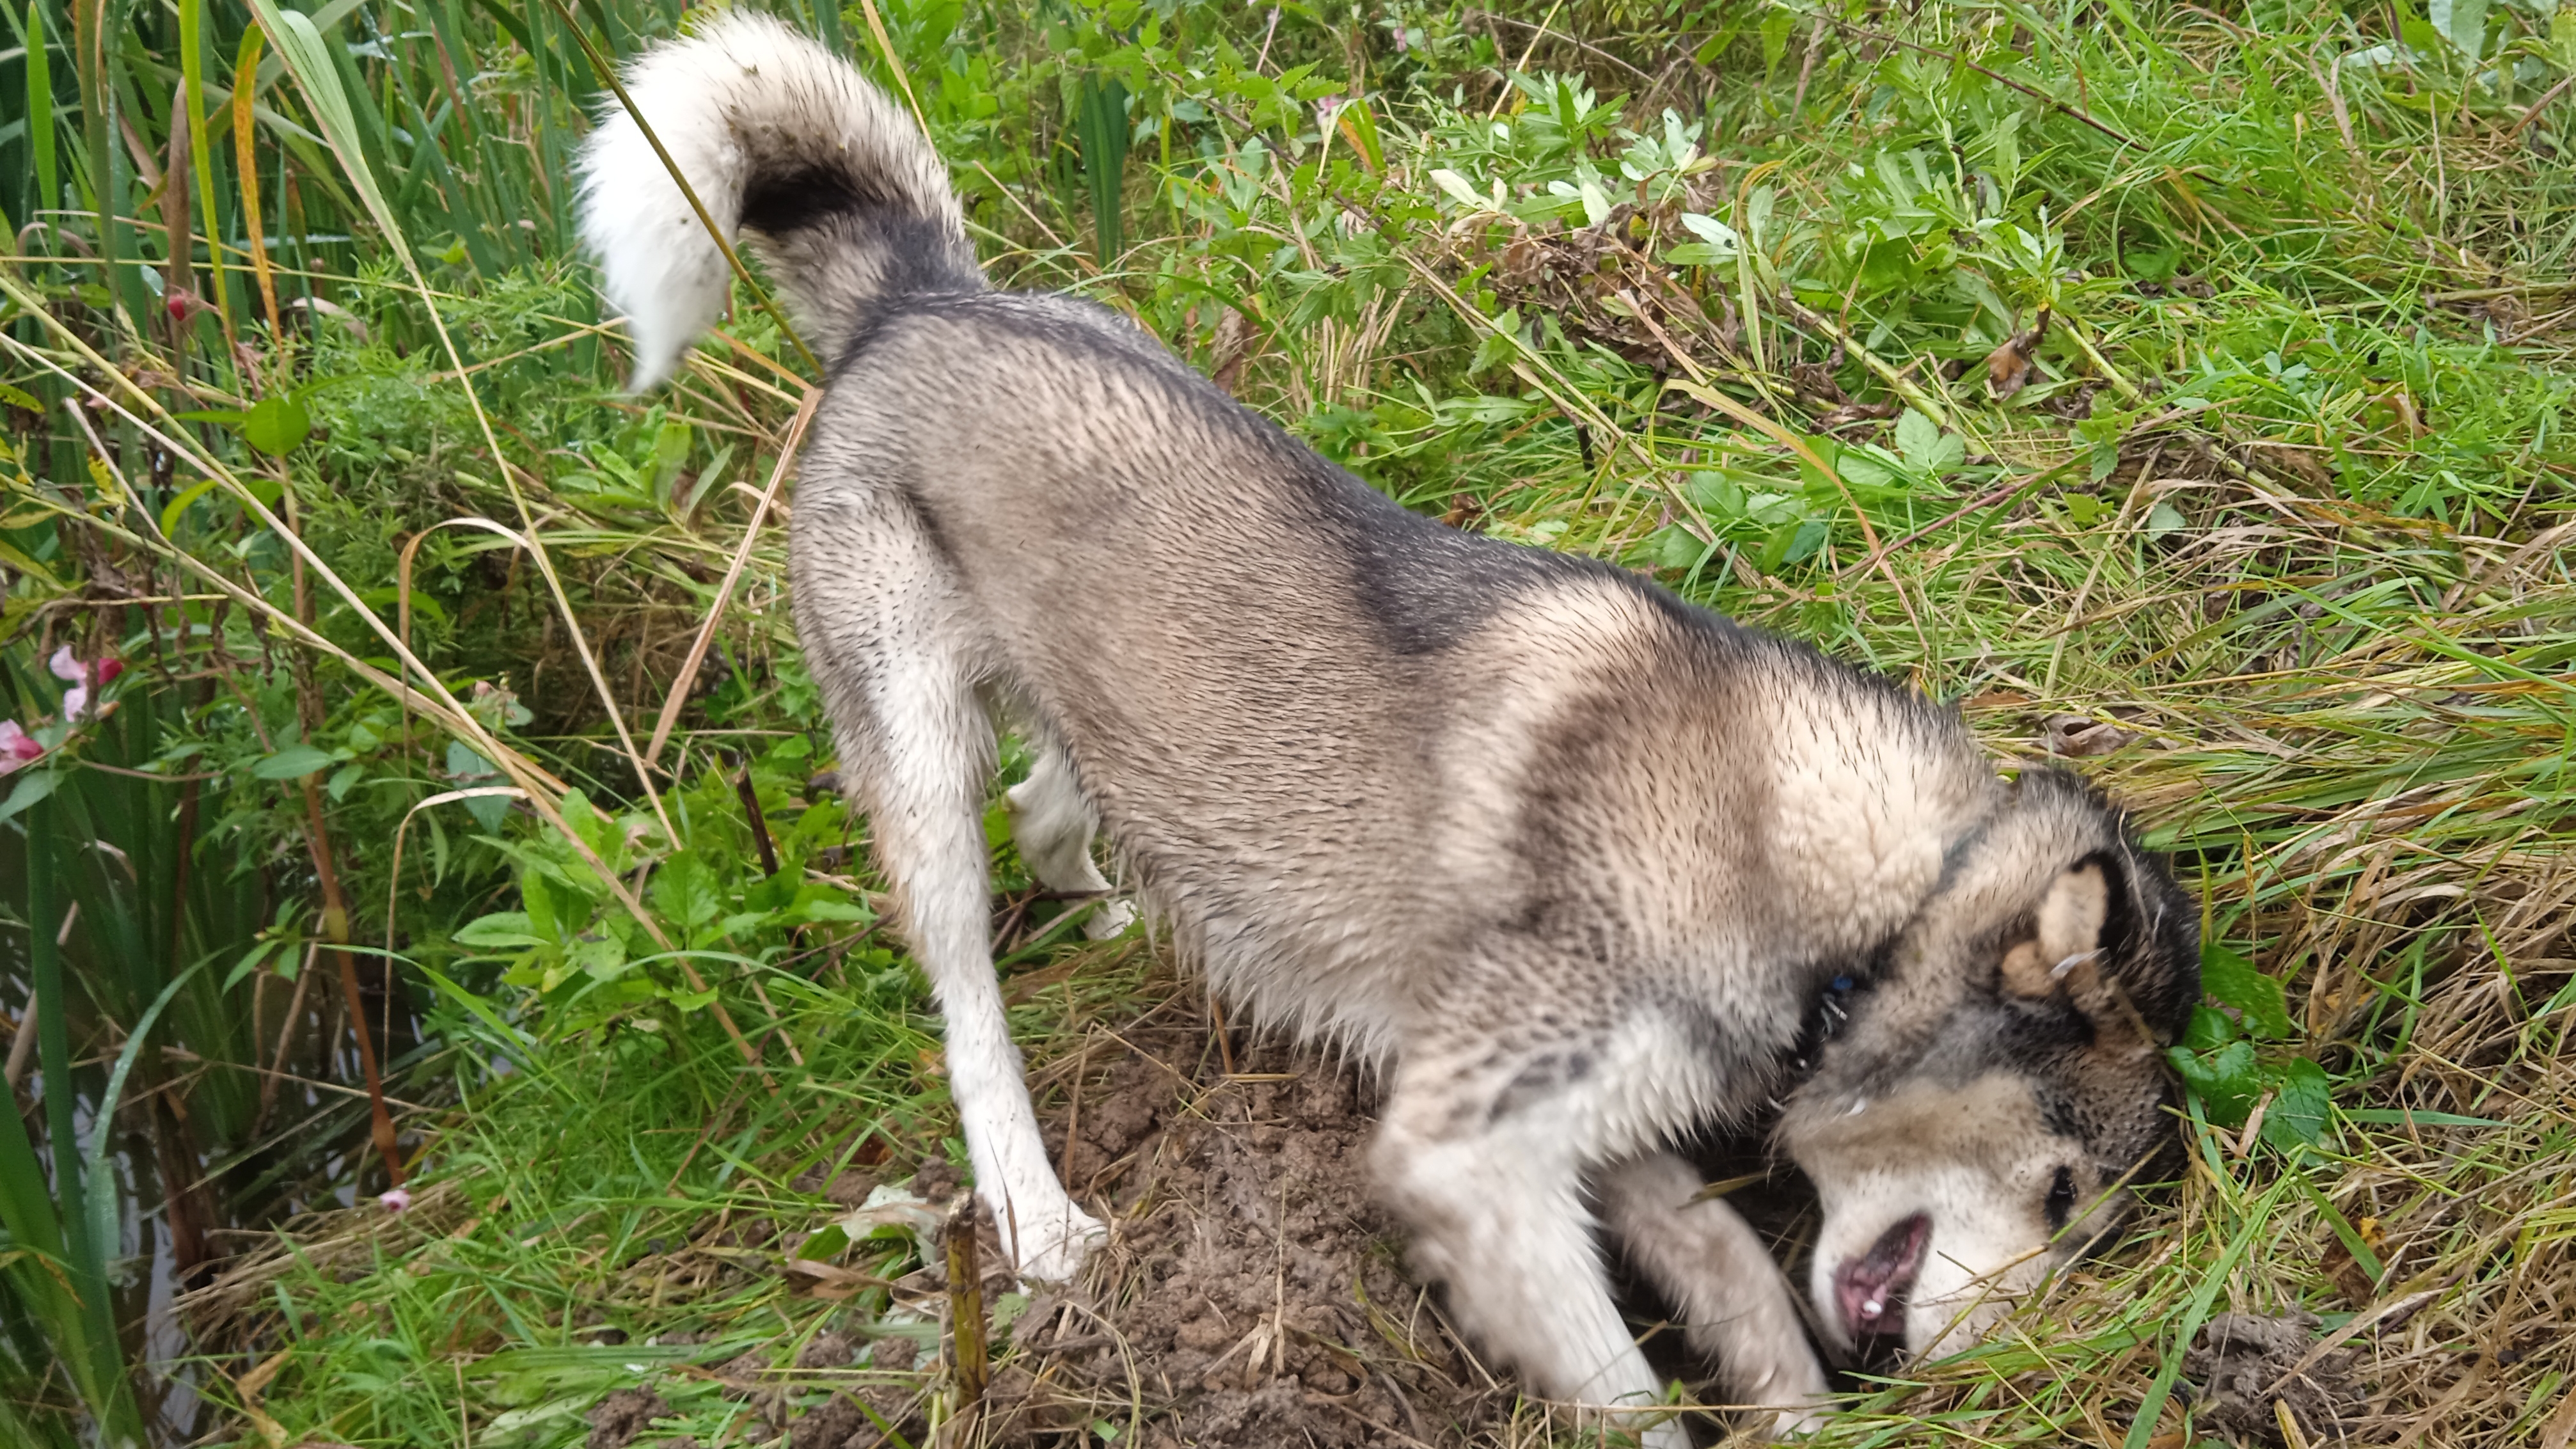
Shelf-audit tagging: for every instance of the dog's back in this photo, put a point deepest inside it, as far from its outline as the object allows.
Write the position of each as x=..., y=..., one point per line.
x=1341, y=743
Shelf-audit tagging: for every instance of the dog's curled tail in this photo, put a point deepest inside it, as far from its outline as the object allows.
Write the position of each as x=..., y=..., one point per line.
x=841, y=194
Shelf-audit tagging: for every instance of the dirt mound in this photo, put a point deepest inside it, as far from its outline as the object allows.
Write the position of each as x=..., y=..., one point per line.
x=623, y=1416
x=2253, y=1367
x=1253, y=1292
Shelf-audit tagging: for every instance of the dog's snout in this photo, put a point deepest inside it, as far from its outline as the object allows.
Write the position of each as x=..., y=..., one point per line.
x=1871, y=1289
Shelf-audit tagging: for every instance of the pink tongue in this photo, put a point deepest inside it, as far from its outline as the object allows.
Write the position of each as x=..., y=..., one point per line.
x=1871, y=1289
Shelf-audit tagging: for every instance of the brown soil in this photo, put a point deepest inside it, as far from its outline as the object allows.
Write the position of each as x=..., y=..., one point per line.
x=1253, y=1293
x=618, y=1419
x=2250, y=1367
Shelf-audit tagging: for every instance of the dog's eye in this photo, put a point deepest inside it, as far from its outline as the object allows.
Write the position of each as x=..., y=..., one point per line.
x=2061, y=1199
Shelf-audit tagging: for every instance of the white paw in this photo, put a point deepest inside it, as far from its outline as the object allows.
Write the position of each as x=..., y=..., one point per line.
x=1782, y=1371
x=1797, y=1423
x=1052, y=1250
x=1110, y=919
x=1667, y=1434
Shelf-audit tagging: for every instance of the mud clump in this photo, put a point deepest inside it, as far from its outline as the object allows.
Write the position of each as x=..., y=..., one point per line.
x=2248, y=1363
x=1252, y=1293
x=623, y=1417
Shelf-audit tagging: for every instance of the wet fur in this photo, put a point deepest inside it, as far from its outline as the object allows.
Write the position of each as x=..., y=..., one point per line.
x=1573, y=863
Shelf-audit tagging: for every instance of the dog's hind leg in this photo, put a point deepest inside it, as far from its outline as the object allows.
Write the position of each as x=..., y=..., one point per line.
x=878, y=620
x=1490, y=1178
x=1053, y=824
x=1735, y=1305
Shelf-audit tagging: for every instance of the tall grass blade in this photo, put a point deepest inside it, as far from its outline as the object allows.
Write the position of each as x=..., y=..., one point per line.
x=246, y=157
x=192, y=63
x=87, y=1201
x=94, y=1170
x=40, y=111
x=1101, y=118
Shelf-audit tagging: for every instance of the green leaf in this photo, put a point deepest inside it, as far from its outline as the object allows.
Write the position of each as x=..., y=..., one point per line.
x=2409, y=1117
x=2209, y=1030
x=741, y=921
x=601, y=957
x=1696, y=254
x=684, y=890
x=249, y=962
x=32, y=786
x=500, y=931
x=1719, y=238
x=1775, y=37
x=1860, y=470
x=276, y=425
x=178, y=507
x=2304, y=1100
x=1596, y=202
x=1458, y=189
x=2231, y=980
x=2461, y=22
x=294, y=763
x=825, y=1246
x=1916, y=437
x=2227, y=1081
x=2163, y=520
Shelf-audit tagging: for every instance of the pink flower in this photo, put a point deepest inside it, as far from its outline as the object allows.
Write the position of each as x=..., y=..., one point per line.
x=83, y=678
x=17, y=750
x=396, y=1200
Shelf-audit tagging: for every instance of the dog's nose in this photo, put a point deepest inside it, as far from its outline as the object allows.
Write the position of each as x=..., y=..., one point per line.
x=1870, y=1289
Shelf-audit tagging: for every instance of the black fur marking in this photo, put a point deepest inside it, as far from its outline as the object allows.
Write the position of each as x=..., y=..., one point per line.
x=2061, y=1199
x=2058, y=1112
x=780, y=204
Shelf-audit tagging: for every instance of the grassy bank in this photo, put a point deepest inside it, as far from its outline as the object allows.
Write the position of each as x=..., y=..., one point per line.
x=2184, y=393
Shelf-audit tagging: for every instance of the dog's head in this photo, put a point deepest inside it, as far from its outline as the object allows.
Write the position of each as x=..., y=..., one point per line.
x=1983, y=1096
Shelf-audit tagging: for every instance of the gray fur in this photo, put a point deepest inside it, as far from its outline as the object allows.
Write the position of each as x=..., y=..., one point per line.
x=1572, y=863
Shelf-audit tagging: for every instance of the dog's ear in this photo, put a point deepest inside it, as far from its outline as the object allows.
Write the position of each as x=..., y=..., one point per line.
x=2066, y=931
x=2074, y=940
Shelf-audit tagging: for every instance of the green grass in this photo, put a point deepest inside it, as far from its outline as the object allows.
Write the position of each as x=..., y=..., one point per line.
x=2284, y=506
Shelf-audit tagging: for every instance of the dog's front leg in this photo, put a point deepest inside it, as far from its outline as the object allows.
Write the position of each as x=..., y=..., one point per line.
x=1490, y=1179
x=1735, y=1304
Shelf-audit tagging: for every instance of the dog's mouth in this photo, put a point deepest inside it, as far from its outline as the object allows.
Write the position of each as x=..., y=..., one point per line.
x=1871, y=1289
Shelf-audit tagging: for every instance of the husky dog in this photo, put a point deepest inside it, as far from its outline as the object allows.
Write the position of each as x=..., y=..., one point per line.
x=1578, y=867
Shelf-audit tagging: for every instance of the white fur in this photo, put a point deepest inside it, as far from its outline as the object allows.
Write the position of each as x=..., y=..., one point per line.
x=1975, y=1160
x=743, y=91
x=1735, y=1306
x=1053, y=824
x=916, y=745
x=1509, y=1191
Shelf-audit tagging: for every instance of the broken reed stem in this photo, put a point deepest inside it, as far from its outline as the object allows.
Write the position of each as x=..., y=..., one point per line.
x=967, y=1358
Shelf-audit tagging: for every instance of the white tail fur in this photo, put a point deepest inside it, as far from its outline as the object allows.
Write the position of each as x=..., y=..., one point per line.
x=844, y=198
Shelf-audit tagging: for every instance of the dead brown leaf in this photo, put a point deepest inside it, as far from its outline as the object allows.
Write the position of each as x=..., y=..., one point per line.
x=2350, y=1279
x=2078, y=736
x=2008, y=367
